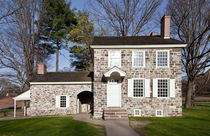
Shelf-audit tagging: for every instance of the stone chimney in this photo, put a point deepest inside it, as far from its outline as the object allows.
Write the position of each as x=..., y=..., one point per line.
x=41, y=69
x=165, y=27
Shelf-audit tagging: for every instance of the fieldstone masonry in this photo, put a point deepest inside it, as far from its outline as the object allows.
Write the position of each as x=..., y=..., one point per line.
x=149, y=105
x=43, y=98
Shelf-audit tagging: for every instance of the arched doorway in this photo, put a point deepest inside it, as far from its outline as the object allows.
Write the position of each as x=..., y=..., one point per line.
x=85, y=102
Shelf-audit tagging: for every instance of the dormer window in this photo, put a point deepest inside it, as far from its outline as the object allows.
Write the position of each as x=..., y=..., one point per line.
x=114, y=59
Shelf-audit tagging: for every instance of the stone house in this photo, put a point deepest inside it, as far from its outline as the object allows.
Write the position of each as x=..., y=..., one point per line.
x=132, y=76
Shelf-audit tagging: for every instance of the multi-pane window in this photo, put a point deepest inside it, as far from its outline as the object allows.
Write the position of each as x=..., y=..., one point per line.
x=137, y=112
x=163, y=88
x=115, y=58
x=138, y=59
x=162, y=59
x=159, y=113
x=62, y=101
x=138, y=88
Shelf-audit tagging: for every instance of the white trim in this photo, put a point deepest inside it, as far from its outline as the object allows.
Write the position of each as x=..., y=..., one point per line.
x=115, y=69
x=24, y=96
x=172, y=88
x=166, y=37
x=138, y=46
x=59, y=83
x=134, y=111
x=147, y=88
x=130, y=88
x=109, y=57
x=144, y=59
x=67, y=105
x=168, y=58
x=159, y=115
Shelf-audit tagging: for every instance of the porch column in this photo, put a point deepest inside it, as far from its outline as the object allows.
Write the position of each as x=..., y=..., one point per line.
x=14, y=108
x=24, y=108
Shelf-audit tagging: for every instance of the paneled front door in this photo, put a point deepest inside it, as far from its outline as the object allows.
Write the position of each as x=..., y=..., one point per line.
x=113, y=93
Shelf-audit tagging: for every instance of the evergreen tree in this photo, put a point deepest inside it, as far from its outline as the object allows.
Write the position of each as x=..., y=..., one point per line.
x=58, y=20
x=82, y=34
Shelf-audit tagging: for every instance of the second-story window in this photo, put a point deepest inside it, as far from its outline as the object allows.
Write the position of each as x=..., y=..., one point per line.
x=138, y=59
x=162, y=58
x=114, y=58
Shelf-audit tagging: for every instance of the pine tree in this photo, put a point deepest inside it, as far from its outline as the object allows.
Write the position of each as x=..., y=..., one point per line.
x=58, y=20
x=82, y=34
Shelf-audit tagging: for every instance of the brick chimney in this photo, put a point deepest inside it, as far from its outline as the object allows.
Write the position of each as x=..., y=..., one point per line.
x=165, y=27
x=41, y=69
x=153, y=34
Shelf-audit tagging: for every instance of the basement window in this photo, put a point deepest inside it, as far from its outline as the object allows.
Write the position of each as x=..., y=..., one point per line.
x=159, y=113
x=137, y=112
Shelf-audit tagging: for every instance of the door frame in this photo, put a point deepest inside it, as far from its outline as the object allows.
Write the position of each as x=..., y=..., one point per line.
x=120, y=95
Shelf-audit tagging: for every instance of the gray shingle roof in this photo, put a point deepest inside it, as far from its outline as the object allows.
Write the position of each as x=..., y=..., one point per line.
x=63, y=77
x=133, y=40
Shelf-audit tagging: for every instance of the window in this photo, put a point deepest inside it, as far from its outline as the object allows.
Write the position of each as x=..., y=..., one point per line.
x=138, y=88
x=138, y=58
x=114, y=58
x=162, y=58
x=159, y=113
x=163, y=87
x=62, y=101
x=137, y=112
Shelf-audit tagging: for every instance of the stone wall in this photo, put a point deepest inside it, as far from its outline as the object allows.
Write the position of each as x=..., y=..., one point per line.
x=148, y=106
x=43, y=99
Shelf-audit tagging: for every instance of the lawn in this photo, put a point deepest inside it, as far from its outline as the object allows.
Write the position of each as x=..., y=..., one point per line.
x=49, y=126
x=195, y=122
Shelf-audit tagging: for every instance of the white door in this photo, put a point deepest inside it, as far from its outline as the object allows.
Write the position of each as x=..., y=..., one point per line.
x=113, y=94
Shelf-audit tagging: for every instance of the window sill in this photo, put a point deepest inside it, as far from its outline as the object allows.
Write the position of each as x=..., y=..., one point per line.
x=138, y=97
x=162, y=67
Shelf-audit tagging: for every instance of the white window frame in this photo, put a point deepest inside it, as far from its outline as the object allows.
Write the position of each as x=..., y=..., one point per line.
x=60, y=101
x=157, y=114
x=134, y=113
x=168, y=59
x=109, y=57
x=168, y=86
x=144, y=59
x=143, y=84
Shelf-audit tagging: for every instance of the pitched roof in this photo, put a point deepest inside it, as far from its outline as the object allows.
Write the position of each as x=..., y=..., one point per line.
x=63, y=77
x=133, y=40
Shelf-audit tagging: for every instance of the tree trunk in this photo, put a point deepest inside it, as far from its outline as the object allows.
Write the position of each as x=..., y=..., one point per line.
x=189, y=93
x=57, y=59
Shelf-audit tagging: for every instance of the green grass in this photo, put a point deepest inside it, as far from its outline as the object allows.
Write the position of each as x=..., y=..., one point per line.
x=1, y=115
x=49, y=126
x=195, y=122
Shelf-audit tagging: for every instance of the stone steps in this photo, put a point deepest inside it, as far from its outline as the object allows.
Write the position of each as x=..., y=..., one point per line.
x=115, y=114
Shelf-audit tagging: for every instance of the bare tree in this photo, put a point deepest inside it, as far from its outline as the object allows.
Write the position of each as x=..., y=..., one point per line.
x=190, y=20
x=19, y=43
x=124, y=17
x=6, y=11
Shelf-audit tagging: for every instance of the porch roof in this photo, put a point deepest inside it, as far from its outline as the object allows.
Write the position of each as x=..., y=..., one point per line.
x=115, y=69
x=24, y=96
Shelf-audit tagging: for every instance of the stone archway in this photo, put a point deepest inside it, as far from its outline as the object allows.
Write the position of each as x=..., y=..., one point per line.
x=85, y=102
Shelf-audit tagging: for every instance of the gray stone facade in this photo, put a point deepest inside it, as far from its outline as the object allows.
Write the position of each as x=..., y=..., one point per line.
x=43, y=98
x=148, y=106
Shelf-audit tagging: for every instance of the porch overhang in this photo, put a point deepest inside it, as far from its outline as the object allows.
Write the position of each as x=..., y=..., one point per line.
x=114, y=69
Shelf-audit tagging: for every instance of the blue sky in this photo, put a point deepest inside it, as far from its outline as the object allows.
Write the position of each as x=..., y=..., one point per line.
x=64, y=56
